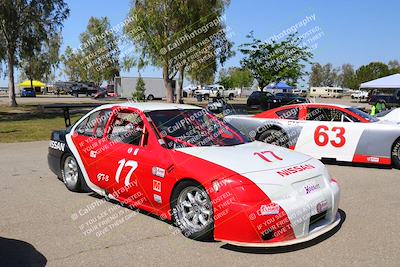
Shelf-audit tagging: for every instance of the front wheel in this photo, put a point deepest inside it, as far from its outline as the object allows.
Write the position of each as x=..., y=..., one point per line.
x=396, y=154
x=193, y=211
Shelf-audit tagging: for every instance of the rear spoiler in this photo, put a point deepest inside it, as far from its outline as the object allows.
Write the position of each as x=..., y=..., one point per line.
x=67, y=107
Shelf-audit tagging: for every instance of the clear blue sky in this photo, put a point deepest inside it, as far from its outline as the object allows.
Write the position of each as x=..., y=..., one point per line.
x=355, y=32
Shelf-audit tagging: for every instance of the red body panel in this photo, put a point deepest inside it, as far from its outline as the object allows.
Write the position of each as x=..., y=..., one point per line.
x=127, y=172
x=271, y=114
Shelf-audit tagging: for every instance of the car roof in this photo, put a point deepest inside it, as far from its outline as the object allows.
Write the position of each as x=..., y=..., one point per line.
x=318, y=104
x=151, y=106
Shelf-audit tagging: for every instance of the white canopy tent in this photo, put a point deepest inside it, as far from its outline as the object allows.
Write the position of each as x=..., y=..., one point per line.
x=388, y=82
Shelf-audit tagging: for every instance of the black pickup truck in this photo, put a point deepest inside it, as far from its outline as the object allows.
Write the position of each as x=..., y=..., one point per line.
x=391, y=97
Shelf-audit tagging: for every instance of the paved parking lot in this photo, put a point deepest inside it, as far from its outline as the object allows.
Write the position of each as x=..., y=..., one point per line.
x=41, y=222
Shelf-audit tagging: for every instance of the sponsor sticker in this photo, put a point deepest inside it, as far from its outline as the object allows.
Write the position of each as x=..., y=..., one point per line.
x=270, y=209
x=156, y=186
x=159, y=172
x=295, y=169
x=93, y=154
x=57, y=145
x=373, y=159
x=102, y=177
x=157, y=198
x=311, y=188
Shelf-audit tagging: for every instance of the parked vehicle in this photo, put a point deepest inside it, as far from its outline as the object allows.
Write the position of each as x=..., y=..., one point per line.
x=180, y=163
x=28, y=92
x=103, y=93
x=266, y=100
x=124, y=87
x=83, y=88
x=289, y=98
x=359, y=95
x=216, y=91
x=335, y=92
x=391, y=97
x=325, y=131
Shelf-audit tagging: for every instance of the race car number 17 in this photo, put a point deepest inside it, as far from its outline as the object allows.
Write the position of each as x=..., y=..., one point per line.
x=321, y=136
x=123, y=163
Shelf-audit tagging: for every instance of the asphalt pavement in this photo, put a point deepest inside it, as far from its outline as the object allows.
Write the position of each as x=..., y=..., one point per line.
x=43, y=223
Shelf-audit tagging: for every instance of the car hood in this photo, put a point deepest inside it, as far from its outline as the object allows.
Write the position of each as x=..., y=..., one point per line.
x=250, y=157
x=387, y=122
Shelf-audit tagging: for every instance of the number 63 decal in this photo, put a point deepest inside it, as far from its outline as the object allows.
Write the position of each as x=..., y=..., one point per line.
x=123, y=163
x=321, y=136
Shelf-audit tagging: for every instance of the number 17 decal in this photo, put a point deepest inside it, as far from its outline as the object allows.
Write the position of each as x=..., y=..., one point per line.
x=270, y=153
x=123, y=163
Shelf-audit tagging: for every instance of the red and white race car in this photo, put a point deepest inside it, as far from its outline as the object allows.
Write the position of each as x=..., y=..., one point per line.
x=181, y=163
x=325, y=131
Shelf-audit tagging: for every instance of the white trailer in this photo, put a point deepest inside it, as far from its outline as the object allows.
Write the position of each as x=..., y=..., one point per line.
x=124, y=87
x=335, y=92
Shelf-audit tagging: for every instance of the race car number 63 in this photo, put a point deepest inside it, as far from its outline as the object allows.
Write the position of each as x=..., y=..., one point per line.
x=321, y=136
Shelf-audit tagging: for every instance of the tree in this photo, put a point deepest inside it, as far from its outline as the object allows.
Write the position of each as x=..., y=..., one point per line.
x=25, y=24
x=235, y=78
x=394, y=66
x=205, y=48
x=348, y=77
x=372, y=71
x=203, y=75
x=40, y=64
x=99, y=51
x=325, y=75
x=272, y=61
x=72, y=67
x=330, y=75
x=139, y=94
x=172, y=40
x=316, y=75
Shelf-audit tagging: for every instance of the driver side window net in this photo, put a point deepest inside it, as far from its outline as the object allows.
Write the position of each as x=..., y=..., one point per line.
x=127, y=128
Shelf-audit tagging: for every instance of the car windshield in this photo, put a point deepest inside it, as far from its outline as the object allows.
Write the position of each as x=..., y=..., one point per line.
x=363, y=115
x=189, y=128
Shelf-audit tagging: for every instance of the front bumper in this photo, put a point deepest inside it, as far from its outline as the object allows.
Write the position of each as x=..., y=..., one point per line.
x=312, y=235
x=290, y=221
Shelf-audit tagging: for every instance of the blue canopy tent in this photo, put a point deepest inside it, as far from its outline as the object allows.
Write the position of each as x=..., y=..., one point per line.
x=281, y=86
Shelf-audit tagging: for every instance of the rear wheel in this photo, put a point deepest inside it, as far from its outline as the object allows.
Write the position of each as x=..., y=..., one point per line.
x=71, y=174
x=231, y=96
x=396, y=154
x=150, y=97
x=193, y=211
x=274, y=137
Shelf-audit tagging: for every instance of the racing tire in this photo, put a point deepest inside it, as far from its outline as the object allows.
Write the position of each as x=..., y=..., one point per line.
x=71, y=174
x=231, y=97
x=150, y=97
x=206, y=97
x=274, y=137
x=396, y=154
x=192, y=211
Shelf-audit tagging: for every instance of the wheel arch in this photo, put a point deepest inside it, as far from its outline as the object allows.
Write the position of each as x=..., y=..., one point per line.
x=269, y=127
x=180, y=181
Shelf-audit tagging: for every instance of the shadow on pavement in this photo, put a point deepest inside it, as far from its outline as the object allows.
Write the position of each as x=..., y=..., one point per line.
x=286, y=249
x=19, y=253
